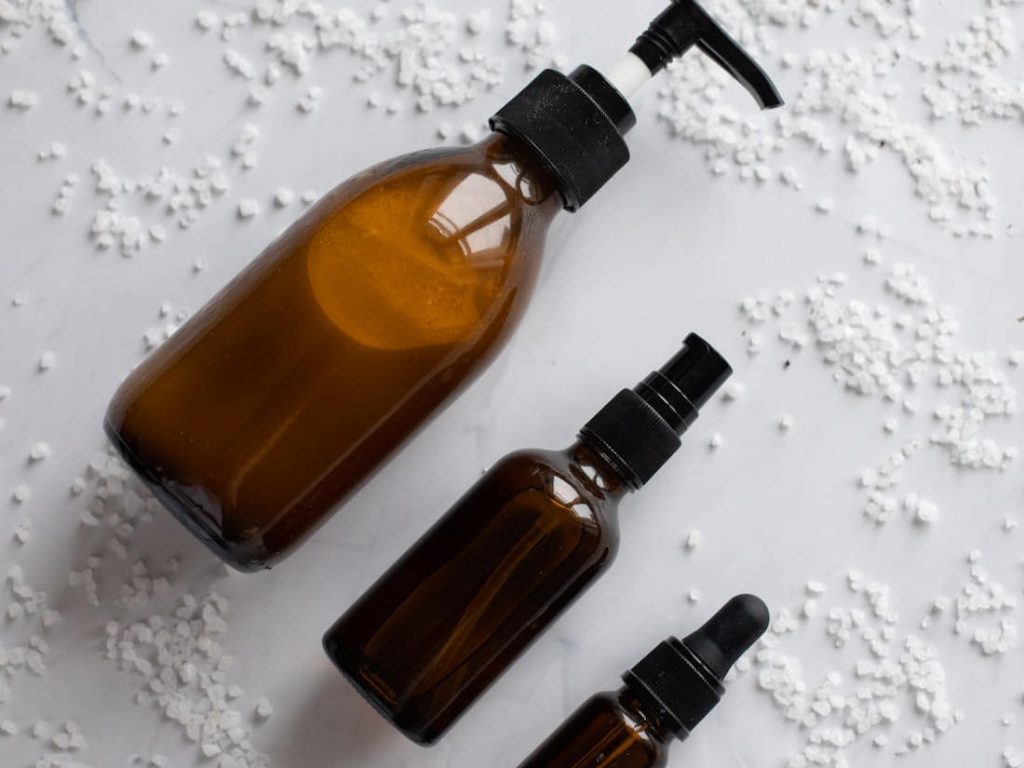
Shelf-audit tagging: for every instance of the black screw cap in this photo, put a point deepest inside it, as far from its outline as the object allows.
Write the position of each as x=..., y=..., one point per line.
x=639, y=429
x=680, y=682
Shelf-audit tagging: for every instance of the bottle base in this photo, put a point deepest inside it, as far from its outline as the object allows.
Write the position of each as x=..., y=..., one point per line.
x=182, y=510
x=347, y=664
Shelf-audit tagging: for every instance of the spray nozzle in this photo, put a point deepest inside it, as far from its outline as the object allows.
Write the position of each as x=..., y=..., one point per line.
x=685, y=24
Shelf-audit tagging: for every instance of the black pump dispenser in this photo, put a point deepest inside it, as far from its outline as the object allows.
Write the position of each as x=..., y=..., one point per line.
x=639, y=429
x=685, y=24
x=575, y=124
x=681, y=681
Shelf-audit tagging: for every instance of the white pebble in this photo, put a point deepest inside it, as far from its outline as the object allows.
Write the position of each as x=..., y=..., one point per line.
x=283, y=197
x=734, y=390
x=694, y=539
x=39, y=452
x=264, y=709
x=248, y=208
x=141, y=39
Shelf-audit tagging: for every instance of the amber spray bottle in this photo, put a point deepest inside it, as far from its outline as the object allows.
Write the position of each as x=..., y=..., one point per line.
x=425, y=641
x=287, y=391
x=665, y=696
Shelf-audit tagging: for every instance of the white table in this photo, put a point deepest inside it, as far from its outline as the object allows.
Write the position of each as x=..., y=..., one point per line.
x=665, y=249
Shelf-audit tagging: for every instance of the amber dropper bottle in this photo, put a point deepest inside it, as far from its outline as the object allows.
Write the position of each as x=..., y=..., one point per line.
x=296, y=383
x=425, y=641
x=665, y=696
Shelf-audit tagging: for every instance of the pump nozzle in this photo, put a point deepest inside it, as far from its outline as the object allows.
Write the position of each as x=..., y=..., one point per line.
x=685, y=24
x=574, y=124
x=639, y=429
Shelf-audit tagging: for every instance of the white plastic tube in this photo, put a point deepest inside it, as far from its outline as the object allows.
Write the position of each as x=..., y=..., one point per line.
x=629, y=75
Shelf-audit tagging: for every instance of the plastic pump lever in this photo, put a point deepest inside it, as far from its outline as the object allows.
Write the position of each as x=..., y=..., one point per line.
x=685, y=24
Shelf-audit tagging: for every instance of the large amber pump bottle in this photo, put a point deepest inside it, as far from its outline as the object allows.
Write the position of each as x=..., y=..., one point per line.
x=299, y=379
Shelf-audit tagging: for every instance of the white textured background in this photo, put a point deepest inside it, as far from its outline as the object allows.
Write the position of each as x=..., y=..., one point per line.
x=665, y=249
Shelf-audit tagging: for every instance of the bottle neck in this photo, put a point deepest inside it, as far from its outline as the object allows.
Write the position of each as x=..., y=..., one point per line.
x=530, y=181
x=646, y=720
x=596, y=472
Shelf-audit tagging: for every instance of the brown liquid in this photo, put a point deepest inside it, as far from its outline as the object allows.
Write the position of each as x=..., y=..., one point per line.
x=288, y=390
x=465, y=601
x=607, y=731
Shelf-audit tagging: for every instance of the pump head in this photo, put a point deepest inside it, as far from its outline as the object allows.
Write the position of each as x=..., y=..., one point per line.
x=685, y=24
x=575, y=124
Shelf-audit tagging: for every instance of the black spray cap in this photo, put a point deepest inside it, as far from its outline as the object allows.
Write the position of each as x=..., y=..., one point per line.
x=639, y=429
x=575, y=124
x=679, y=682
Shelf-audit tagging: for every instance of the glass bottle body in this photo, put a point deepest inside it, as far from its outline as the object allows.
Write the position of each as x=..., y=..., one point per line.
x=432, y=634
x=293, y=385
x=609, y=730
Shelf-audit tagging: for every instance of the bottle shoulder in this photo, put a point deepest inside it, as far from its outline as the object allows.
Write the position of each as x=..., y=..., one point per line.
x=432, y=249
x=560, y=480
x=493, y=166
x=606, y=718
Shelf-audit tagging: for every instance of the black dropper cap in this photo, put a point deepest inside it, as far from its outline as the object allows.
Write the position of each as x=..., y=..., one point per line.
x=575, y=124
x=679, y=682
x=639, y=429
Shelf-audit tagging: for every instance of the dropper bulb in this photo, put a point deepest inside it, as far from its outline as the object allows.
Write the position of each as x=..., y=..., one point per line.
x=729, y=633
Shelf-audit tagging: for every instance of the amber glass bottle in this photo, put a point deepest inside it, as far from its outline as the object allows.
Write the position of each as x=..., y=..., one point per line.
x=666, y=695
x=299, y=380
x=609, y=730
x=537, y=529
x=285, y=392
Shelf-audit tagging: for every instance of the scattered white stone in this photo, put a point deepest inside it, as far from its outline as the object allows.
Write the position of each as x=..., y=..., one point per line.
x=248, y=209
x=283, y=197
x=141, y=39
x=206, y=20
x=716, y=441
x=21, y=99
x=734, y=390
x=263, y=710
x=39, y=452
x=694, y=539
x=310, y=102
x=478, y=21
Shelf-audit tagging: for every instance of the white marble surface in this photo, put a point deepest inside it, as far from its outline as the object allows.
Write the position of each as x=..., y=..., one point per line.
x=665, y=249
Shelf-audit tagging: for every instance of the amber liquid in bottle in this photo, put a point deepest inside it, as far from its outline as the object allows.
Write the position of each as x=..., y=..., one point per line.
x=292, y=386
x=456, y=610
x=611, y=730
